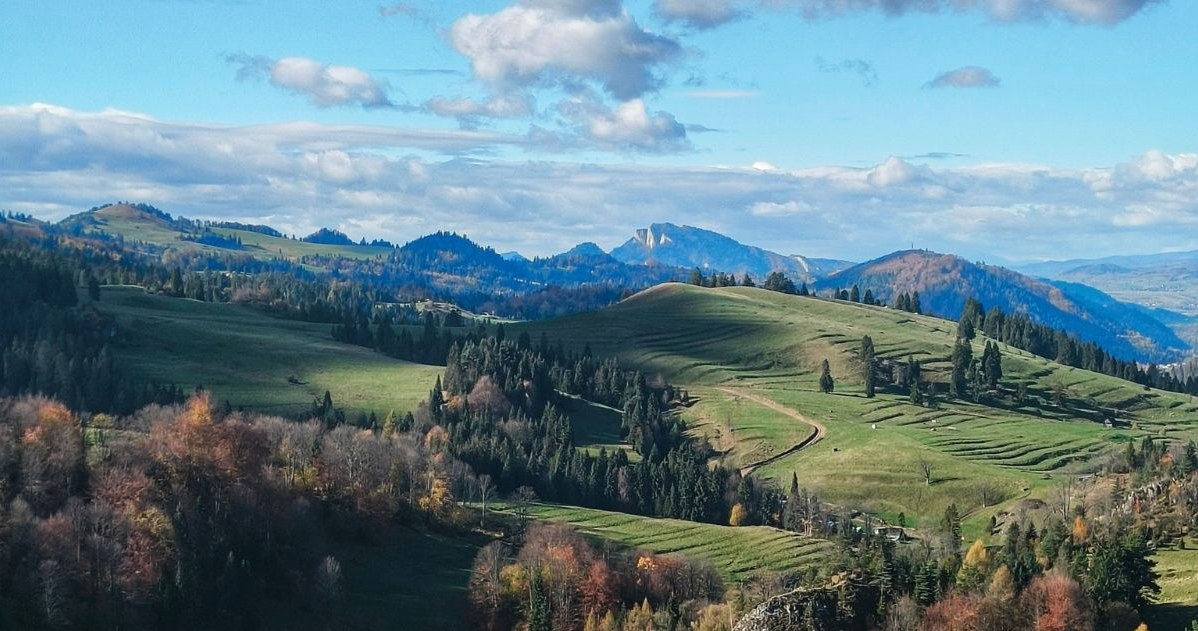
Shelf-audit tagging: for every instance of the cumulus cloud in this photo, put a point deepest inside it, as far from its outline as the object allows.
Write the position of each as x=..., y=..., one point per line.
x=964, y=77
x=563, y=42
x=364, y=179
x=629, y=126
x=859, y=67
x=325, y=85
x=711, y=13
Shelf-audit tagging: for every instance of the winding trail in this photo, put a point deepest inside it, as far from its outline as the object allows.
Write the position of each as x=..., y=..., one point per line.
x=817, y=434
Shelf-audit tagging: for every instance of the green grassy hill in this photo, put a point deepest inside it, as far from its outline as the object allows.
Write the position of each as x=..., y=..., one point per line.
x=735, y=348
x=263, y=363
x=135, y=224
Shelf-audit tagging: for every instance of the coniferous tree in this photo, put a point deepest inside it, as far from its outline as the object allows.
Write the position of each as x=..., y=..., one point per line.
x=867, y=365
x=826, y=384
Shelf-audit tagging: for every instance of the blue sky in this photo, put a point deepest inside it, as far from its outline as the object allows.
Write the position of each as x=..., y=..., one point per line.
x=997, y=129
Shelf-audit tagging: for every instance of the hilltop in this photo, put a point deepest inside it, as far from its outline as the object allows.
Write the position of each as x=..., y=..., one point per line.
x=736, y=349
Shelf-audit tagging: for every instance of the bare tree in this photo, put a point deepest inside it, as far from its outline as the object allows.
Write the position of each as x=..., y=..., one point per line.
x=987, y=492
x=925, y=469
x=1061, y=498
x=486, y=490
x=525, y=496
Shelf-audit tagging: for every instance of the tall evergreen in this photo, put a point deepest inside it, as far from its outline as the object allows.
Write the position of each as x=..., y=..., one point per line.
x=868, y=372
x=826, y=384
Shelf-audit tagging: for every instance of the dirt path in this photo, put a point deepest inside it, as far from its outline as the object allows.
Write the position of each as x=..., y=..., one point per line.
x=817, y=434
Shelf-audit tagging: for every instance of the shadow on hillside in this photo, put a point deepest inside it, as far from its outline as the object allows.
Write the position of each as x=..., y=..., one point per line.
x=1171, y=615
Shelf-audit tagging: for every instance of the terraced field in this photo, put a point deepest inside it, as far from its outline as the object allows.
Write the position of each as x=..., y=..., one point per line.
x=770, y=344
x=735, y=552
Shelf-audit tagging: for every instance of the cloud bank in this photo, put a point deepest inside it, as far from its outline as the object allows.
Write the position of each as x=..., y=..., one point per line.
x=366, y=181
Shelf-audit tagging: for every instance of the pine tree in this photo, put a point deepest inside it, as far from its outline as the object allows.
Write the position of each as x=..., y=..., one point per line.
x=826, y=384
x=867, y=365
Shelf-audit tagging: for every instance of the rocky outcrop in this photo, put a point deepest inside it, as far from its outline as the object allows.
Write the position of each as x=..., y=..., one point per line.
x=847, y=604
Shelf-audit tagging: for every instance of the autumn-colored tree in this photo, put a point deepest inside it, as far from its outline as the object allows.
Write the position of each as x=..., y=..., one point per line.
x=974, y=568
x=1002, y=585
x=739, y=516
x=1081, y=530
x=955, y=613
x=599, y=590
x=1056, y=602
x=51, y=457
x=714, y=617
x=639, y=618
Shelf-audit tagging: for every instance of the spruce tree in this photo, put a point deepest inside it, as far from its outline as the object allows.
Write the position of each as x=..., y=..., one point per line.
x=867, y=365
x=826, y=384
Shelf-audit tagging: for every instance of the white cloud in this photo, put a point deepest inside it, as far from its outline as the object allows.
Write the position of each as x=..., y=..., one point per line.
x=325, y=85
x=964, y=77
x=895, y=171
x=563, y=42
x=779, y=209
x=304, y=175
x=630, y=126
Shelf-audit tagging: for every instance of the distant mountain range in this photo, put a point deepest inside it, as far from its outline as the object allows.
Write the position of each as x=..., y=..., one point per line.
x=455, y=268
x=944, y=282
x=690, y=247
x=1158, y=281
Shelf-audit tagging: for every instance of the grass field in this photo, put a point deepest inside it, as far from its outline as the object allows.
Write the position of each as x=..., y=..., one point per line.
x=136, y=225
x=416, y=580
x=736, y=553
x=770, y=344
x=1178, y=604
x=596, y=427
x=249, y=358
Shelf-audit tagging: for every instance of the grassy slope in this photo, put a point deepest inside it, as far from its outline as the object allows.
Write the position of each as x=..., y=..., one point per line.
x=1178, y=604
x=596, y=427
x=735, y=552
x=772, y=345
x=416, y=580
x=134, y=224
x=246, y=357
